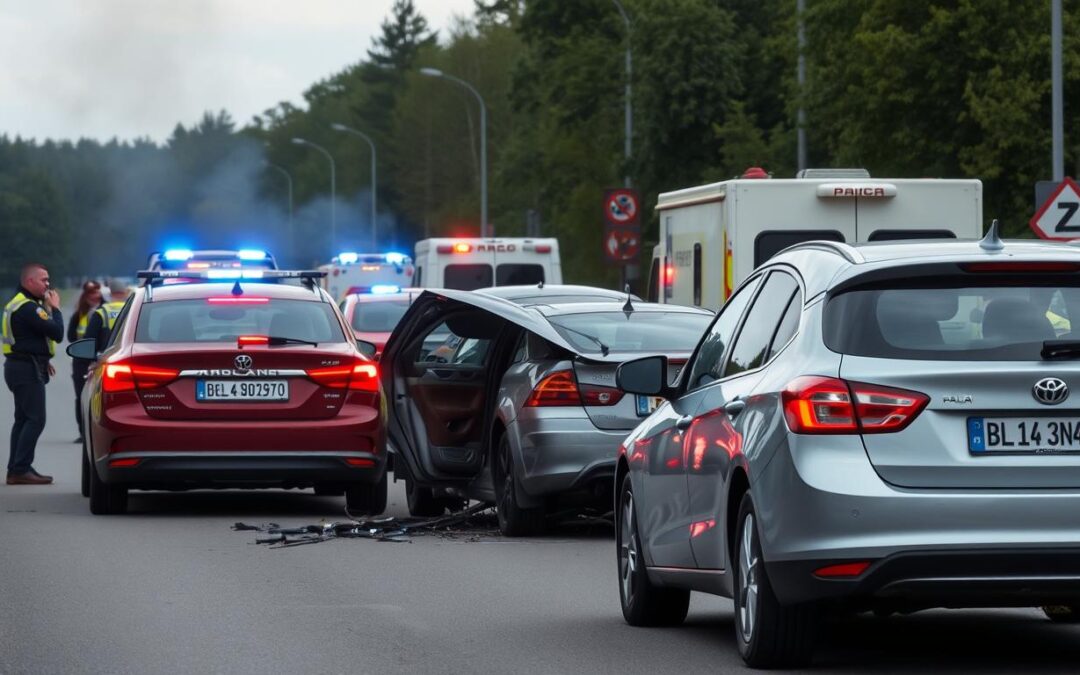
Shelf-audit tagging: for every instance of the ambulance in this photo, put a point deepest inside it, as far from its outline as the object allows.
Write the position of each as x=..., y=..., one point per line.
x=349, y=273
x=713, y=236
x=469, y=264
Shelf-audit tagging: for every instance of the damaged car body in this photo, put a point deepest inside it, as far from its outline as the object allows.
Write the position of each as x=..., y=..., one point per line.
x=517, y=406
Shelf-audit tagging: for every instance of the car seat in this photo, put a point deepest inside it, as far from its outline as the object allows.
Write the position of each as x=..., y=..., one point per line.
x=1016, y=320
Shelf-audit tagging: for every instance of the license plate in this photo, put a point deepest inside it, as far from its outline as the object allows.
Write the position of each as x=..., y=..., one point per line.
x=1026, y=435
x=647, y=404
x=241, y=390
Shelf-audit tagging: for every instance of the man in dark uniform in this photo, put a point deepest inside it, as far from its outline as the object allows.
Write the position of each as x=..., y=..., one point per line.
x=32, y=325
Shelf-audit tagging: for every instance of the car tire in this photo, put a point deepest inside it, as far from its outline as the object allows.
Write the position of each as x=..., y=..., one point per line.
x=422, y=500
x=769, y=634
x=514, y=520
x=643, y=604
x=1062, y=613
x=366, y=498
x=105, y=499
x=85, y=477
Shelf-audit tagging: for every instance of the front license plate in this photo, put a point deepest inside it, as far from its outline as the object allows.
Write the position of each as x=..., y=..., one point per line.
x=1024, y=435
x=647, y=404
x=241, y=390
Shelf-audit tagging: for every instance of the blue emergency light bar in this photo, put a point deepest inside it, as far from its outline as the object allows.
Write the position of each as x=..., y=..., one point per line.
x=178, y=254
x=228, y=275
x=348, y=258
x=251, y=254
x=395, y=258
x=385, y=289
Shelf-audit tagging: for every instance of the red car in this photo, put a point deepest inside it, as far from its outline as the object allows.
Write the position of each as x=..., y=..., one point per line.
x=232, y=385
x=373, y=316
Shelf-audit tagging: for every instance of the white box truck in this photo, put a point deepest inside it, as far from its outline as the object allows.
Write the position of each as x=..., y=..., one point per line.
x=713, y=236
x=467, y=264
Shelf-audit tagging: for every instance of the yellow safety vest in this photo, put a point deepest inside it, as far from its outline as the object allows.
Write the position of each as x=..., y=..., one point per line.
x=108, y=313
x=80, y=329
x=7, y=336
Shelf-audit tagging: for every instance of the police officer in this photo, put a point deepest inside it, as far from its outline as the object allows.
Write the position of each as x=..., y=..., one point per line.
x=31, y=326
x=104, y=318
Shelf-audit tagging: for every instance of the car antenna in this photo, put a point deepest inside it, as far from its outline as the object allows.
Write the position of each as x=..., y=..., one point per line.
x=992, y=241
x=541, y=284
x=629, y=306
x=236, y=290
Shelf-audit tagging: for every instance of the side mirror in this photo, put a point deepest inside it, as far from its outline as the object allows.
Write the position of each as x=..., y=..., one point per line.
x=83, y=349
x=368, y=349
x=647, y=376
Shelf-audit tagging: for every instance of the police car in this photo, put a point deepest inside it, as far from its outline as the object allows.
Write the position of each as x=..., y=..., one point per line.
x=350, y=273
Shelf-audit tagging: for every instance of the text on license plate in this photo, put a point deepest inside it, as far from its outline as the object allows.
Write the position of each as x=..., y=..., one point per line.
x=647, y=404
x=241, y=390
x=1023, y=434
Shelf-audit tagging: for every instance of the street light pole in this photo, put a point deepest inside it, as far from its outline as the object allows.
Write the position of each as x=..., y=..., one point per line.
x=288, y=183
x=435, y=72
x=800, y=116
x=1057, y=114
x=333, y=188
x=628, y=143
x=374, y=183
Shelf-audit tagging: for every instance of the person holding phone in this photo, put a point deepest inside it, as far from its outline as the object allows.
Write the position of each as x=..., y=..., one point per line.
x=32, y=324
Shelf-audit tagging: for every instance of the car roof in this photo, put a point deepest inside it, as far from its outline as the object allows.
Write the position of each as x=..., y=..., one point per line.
x=406, y=295
x=564, y=309
x=537, y=290
x=197, y=291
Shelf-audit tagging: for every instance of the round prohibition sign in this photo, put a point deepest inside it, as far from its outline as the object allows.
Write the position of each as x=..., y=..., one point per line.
x=621, y=207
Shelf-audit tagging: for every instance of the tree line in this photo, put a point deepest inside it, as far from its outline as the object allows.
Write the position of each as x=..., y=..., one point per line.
x=953, y=88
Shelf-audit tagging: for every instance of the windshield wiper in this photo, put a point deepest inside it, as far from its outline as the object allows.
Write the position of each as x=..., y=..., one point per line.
x=1060, y=349
x=278, y=341
x=603, y=347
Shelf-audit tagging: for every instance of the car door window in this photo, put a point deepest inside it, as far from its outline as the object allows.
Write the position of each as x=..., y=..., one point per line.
x=118, y=327
x=789, y=324
x=709, y=358
x=752, y=346
x=442, y=346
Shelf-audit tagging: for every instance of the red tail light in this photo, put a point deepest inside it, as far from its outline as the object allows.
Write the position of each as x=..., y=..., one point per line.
x=842, y=570
x=358, y=376
x=124, y=376
x=248, y=340
x=561, y=389
x=827, y=405
x=543, y=248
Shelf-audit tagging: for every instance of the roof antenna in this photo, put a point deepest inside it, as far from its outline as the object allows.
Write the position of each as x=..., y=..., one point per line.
x=629, y=306
x=541, y=284
x=236, y=290
x=992, y=241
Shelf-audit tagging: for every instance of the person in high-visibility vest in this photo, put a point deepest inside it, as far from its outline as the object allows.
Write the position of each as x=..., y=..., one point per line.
x=103, y=319
x=88, y=302
x=31, y=326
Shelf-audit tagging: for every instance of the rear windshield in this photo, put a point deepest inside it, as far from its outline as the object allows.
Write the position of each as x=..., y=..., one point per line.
x=467, y=277
x=203, y=321
x=950, y=322
x=517, y=274
x=639, y=332
x=378, y=317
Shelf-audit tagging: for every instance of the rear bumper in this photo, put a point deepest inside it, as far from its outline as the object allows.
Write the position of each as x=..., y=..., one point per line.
x=566, y=454
x=223, y=469
x=970, y=578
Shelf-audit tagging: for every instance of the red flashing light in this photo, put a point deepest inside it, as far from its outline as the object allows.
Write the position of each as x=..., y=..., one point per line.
x=828, y=405
x=557, y=389
x=359, y=376
x=237, y=300
x=123, y=376
x=360, y=462
x=669, y=274
x=1020, y=267
x=842, y=570
x=125, y=463
x=462, y=247
x=543, y=248
x=249, y=340
x=755, y=172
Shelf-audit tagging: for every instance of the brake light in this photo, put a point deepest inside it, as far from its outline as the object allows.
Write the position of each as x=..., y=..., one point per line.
x=842, y=570
x=543, y=248
x=557, y=389
x=1021, y=267
x=360, y=376
x=249, y=340
x=237, y=300
x=594, y=394
x=123, y=376
x=828, y=405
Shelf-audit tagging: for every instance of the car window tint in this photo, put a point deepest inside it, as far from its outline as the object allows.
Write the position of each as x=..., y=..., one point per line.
x=516, y=274
x=788, y=325
x=707, y=361
x=467, y=277
x=769, y=243
x=200, y=320
x=752, y=346
x=121, y=320
x=378, y=317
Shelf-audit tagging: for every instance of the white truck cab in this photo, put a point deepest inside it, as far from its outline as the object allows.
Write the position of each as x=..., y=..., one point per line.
x=713, y=236
x=469, y=264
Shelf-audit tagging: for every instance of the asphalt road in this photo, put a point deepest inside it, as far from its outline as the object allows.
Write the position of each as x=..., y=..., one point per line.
x=170, y=588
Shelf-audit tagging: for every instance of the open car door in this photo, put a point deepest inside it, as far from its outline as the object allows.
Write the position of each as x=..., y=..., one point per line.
x=438, y=379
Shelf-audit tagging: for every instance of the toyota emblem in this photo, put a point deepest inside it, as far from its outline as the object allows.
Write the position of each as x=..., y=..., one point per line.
x=243, y=362
x=1050, y=390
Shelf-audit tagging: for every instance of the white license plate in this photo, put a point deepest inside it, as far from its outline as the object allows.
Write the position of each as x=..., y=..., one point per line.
x=242, y=390
x=1033, y=435
x=647, y=404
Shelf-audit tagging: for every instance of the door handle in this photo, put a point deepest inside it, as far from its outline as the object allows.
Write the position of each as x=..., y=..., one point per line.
x=734, y=407
x=684, y=422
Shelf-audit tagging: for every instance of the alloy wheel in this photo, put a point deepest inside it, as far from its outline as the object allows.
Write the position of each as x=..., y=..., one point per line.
x=747, y=597
x=628, y=551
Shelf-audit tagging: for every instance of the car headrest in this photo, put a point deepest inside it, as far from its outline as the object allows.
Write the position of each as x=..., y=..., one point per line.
x=1016, y=320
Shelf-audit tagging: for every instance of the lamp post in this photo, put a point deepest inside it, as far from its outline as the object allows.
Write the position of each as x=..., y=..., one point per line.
x=435, y=72
x=628, y=143
x=1057, y=129
x=333, y=188
x=374, y=184
x=800, y=73
x=288, y=183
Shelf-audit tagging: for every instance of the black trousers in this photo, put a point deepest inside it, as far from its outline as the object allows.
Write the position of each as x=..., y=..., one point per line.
x=26, y=380
x=79, y=368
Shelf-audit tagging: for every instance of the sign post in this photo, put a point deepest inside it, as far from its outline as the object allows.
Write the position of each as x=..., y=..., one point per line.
x=1059, y=216
x=622, y=227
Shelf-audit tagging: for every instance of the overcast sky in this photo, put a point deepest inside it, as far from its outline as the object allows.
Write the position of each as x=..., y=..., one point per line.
x=133, y=68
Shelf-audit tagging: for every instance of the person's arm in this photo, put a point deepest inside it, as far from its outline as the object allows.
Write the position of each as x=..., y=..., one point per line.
x=37, y=320
x=73, y=328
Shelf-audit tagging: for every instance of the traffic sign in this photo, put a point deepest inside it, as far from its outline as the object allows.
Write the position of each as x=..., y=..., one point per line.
x=1059, y=216
x=622, y=246
x=621, y=207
